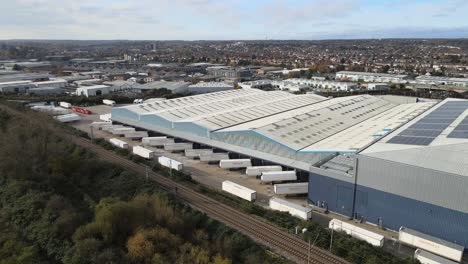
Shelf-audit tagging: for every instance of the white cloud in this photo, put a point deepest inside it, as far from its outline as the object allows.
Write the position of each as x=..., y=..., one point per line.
x=223, y=19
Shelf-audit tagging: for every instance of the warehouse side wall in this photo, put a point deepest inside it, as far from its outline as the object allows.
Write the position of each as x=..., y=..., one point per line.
x=394, y=210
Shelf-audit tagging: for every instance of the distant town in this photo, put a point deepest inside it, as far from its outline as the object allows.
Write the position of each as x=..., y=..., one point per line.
x=91, y=68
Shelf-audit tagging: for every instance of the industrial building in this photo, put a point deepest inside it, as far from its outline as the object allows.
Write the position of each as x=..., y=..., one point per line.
x=209, y=87
x=94, y=90
x=381, y=160
x=378, y=87
x=297, y=84
x=323, y=84
x=57, y=83
x=45, y=91
x=16, y=86
x=275, y=84
x=371, y=77
x=440, y=80
x=226, y=72
x=174, y=87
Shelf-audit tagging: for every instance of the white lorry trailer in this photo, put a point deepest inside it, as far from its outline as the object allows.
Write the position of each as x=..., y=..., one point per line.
x=195, y=153
x=122, y=130
x=239, y=190
x=235, y=163
x=111, y=127
x=292, y=208
x=143, y=152
x=357, y=232
x=426, y=257
x=170, y=163
x=156, y=141
x=277, y=176
x=105, y=117
x=178, y=146
x=108, y=102
x=291, y=188
x=432, y=244
x=65, y=105
x=67, y=118
x=136, y=134
x=215, y=157
x=119, y=143
x=257, y=170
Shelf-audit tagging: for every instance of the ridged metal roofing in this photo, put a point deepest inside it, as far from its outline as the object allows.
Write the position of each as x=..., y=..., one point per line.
x=303, y=130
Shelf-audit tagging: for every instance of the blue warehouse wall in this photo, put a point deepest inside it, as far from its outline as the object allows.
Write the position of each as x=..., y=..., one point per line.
x=394, y=210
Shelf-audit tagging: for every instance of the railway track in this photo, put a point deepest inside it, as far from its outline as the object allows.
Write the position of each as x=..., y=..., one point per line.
x=283, y=242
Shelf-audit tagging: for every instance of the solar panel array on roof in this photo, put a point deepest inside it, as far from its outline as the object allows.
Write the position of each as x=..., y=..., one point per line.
x=461, y=130
x=425, y=130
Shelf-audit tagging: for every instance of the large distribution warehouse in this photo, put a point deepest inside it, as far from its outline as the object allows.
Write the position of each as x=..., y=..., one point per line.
x=386, y=160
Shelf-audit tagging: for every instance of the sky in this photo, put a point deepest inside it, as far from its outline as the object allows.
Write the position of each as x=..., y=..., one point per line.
x=232, y=19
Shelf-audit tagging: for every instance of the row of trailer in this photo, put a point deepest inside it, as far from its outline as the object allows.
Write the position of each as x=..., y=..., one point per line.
x=429, y=249
x=445, y=251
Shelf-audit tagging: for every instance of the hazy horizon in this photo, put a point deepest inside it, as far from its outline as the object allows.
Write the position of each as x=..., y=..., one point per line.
x=232, y=20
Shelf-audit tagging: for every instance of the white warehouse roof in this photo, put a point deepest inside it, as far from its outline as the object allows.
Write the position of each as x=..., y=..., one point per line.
x=437, y=139
x=300, y=123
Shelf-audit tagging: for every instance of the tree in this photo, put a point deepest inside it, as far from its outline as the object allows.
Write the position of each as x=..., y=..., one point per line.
x=139, y=248
x=385, y=68
x=16, y=67
x=218, y=259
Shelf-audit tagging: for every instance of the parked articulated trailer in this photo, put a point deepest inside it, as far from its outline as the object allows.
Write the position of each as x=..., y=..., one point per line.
x=156, y=141
x=291, y=188
x=235, y=163
x=357, y=232
x=178, y=146
x=136, y=134
x=170, y=163
x=215, y=157
x=276, y=176
x=195, y=153
x=67, y=118
x=101, y=124
x=65, y=105
x=108, y=102
x=105, y=117
x=122, y=130
x=110, y=127
x=257, y=170
x=432, y=244
x=426, y=257
x=292, y=208
x=239, y=190
x=118, y=143
x=143, y=152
